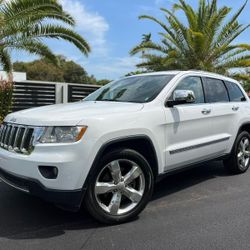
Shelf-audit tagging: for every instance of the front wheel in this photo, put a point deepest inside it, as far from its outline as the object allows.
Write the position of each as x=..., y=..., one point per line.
x=120, y=187
x=239, y=160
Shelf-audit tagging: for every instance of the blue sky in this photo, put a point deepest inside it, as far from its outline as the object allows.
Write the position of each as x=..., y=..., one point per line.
x=112, y=28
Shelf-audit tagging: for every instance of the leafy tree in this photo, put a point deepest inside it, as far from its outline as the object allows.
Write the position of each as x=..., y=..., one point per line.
x=24, y=24
x=93, y=80
x=40, y=70
x=6, y=91
x=73, y=72
x=65, y=71
x=206, y=42
x=103, y=82
x=137, y=72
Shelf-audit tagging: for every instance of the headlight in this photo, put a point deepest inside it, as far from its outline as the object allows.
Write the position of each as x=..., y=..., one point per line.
x=61, y=134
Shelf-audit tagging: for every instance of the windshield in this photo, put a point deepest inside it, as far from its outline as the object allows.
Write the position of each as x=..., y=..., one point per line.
x=139, y=89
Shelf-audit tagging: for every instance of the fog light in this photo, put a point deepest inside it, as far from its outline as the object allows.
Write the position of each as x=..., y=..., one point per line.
x=48, y=172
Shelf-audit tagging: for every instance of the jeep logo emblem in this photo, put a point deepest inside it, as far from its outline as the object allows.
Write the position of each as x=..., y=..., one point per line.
x=13, y=119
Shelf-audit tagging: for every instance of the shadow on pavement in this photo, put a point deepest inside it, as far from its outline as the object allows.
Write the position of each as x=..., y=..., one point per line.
x=26, y=217
x=176, y=182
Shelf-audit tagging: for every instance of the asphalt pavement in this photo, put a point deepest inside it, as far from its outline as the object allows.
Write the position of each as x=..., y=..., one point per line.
x=203, y=208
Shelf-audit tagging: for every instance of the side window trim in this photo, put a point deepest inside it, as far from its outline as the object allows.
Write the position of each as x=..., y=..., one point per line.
x=202, y=83
x=229, y=99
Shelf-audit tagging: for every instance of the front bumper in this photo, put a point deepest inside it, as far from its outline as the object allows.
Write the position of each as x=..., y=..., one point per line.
x=67, y=199
x=73, y=165
x=73, y=162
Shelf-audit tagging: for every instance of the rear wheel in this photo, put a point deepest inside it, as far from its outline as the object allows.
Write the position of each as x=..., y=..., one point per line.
x=239, y=160
x=120, y=187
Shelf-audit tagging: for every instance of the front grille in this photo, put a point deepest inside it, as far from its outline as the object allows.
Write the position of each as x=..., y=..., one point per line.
x=16, y=138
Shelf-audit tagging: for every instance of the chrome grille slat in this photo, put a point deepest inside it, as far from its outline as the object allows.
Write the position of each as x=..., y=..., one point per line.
x=6, y=137
x=13, y=136
x=3, y=135
x=16, y=138
x=10, y=135
x=23, y=140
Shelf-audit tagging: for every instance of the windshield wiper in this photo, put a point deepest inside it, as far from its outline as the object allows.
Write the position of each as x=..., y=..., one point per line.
x=108, y=100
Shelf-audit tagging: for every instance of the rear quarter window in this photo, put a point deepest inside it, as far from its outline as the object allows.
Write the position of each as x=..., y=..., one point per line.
x=235, y=93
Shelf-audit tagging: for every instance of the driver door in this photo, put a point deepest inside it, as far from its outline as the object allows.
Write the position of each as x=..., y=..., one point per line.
x=189, y=134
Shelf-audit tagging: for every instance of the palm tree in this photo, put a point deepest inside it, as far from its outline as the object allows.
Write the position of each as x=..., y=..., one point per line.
x=25, y=23
x=245, y=79
x=145, y=39
x=206, y=42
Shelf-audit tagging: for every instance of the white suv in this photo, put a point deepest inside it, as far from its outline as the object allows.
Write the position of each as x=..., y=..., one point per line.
x=107, y=151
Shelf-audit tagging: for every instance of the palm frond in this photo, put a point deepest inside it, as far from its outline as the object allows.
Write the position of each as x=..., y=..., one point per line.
x=35, y=47
x=24, y=24
x=59, y=32
x=147, y=46
x=26, y=9
x=231, y=23
x=206, y=42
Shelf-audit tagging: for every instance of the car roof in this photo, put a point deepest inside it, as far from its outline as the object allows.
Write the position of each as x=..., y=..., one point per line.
x=189, y=72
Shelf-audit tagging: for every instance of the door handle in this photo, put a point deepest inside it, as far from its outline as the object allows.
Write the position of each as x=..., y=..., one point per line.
x=235, y=108
x=206, y=111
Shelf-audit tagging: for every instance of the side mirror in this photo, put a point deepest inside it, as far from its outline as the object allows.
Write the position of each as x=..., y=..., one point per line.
x=181, y=97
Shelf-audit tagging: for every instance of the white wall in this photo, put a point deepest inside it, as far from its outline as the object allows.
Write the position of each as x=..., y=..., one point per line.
x=17, y=76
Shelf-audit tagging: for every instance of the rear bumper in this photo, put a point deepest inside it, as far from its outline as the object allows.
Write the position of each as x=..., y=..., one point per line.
x=67, y=199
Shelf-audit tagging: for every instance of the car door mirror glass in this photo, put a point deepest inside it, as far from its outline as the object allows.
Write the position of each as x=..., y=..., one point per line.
x=182, y=97
x=186, y=96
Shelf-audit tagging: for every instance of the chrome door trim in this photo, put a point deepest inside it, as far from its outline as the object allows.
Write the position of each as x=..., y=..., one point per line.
x=180, y=150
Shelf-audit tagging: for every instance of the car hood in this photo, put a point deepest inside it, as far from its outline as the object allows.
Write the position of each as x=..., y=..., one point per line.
x=70, y=114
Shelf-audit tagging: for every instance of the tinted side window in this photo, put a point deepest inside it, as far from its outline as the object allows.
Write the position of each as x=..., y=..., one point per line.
x=235, y=92
x=192, y=83
x=215, y=90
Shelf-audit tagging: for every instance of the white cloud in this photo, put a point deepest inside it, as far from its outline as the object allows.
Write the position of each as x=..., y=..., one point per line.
x=112, y=67
x=90, y=24
x=94, y=28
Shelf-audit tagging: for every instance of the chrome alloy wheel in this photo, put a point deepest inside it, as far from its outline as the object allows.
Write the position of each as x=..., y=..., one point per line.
x=243, y=153
x=119, y=187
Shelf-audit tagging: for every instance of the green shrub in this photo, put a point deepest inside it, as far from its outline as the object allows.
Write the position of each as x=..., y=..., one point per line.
x=6, y=92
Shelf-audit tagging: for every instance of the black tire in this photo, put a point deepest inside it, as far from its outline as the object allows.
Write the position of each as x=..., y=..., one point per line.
x=233, y=164
x=91, y=200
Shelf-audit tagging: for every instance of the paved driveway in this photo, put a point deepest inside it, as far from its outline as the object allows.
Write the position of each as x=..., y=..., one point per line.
x=203, y=208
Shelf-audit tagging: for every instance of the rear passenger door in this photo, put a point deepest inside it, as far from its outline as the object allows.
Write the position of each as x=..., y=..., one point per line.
x=238, y=104
x=224, y=114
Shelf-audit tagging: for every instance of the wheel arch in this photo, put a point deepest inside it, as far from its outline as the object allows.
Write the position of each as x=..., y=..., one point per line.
x=244, y=127
x=140, y=143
